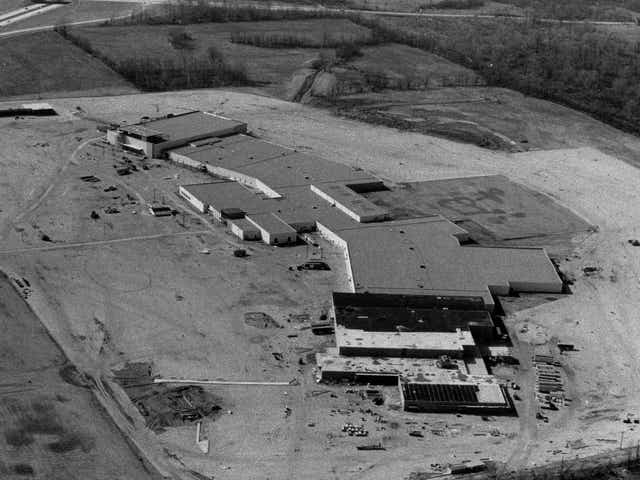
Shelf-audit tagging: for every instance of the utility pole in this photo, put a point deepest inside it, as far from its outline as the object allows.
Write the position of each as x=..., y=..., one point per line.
x=621, y=438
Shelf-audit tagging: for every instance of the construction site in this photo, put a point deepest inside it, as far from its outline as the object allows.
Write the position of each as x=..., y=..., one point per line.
x=245, y=303
x=422, y=266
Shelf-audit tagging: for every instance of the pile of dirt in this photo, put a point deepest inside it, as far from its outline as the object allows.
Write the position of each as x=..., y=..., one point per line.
x=260, y=320
x=163, y=406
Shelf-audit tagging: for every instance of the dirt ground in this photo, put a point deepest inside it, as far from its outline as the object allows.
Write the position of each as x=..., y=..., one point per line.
x=498, y=118
x=154, y=296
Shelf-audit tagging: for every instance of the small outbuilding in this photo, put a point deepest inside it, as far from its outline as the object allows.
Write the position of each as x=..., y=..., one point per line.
x=273, y=230
x=244, y=229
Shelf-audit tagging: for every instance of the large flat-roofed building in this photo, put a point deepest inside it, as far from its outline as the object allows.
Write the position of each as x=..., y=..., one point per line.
x=155, y=136
x=413, y=313
x=215, y=197
x=424, y=257
x=471, y=398
x=267, y=166
x=351, y=203
x=355, y=342
x=231, y=152
x=387, y=370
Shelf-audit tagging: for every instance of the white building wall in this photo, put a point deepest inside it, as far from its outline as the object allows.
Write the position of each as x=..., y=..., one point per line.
x=334, y=238
x=201, y=207
x=184, y=160
x=245, y=234
x=118, y=138
x=243, y=179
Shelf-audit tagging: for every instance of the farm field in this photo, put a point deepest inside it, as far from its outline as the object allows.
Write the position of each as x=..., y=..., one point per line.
x=389, y=65
x=46, y=62
x=264, y=66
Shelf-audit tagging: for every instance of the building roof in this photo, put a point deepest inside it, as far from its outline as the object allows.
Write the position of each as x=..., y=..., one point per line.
x=424, y=256
x=354, y=300
x=452, y=341
x=244, y=225
x=409, y=369
x=225, y=194
x=270, y=223
x=233, y=152
x=455, y=394
x=340, y=193
x=275, y=166
x=188, y=125
x=300, y=169
x=413, y=319
x=298, y=205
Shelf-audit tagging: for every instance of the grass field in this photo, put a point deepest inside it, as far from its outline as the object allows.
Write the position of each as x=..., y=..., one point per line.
x=45, y=62
x=405, y=67
x=264, y=66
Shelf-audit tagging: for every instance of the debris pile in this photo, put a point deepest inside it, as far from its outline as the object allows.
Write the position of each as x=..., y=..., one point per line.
x=354, y=430
x=549, y=384
x=163, y=406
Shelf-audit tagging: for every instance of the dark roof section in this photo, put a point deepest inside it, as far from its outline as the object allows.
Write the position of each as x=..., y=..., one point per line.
x=415, y=301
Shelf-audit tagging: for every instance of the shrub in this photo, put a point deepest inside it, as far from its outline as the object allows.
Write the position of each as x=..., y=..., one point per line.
x=180, y=39
x=348, y=51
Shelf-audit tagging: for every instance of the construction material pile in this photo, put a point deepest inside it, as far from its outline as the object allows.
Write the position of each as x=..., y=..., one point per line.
x=549, y=383
x=163, y=406
x=354, y=430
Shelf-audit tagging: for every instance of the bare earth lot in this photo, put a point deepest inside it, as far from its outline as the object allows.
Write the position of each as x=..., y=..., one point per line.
x=160, y=299
x=497, y=117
